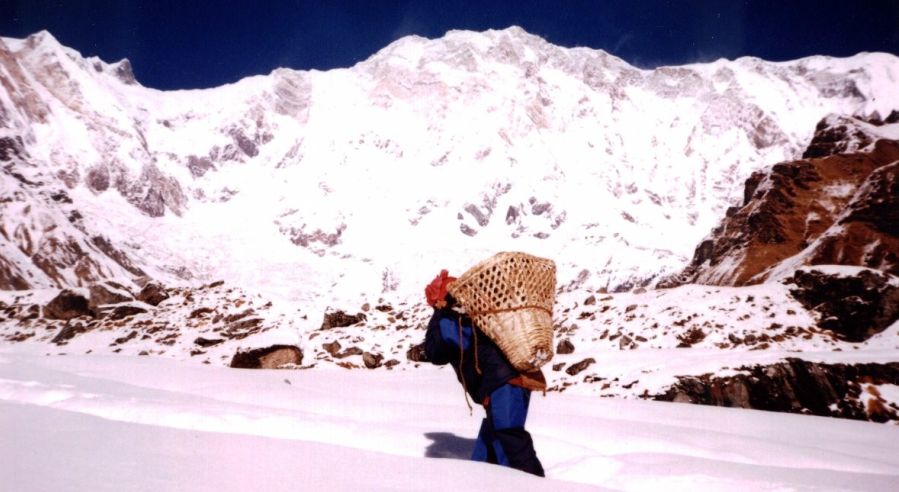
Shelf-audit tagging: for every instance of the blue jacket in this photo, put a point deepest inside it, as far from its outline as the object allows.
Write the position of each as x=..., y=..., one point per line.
x=442, y=346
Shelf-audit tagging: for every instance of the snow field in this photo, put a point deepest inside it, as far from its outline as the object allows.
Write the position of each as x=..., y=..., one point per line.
x=149, y=423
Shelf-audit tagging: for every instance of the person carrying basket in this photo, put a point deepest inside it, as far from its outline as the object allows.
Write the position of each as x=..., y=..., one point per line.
x=487, y=375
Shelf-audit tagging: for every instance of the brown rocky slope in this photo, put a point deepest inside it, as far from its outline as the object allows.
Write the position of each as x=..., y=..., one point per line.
x=829, y=208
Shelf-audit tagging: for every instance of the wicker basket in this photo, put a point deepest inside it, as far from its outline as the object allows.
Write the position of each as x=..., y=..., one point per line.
x=510, y=297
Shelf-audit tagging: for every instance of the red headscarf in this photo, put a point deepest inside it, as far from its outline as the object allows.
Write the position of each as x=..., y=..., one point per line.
x=435, y=292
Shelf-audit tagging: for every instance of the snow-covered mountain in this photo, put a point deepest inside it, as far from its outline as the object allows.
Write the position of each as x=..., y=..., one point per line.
x=430, y=153
x=299, y=214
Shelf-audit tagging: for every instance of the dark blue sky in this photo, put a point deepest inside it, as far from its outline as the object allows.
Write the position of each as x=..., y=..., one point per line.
x=191, y=43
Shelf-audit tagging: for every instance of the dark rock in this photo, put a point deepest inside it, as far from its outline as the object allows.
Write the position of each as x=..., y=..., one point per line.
x=208, y=342
x=238, y=316
x=580, y=366
x=97, y=178
x=105, y=245
x=11, y=147
x=853, y=307
x=273, y=357
x=703, y=252
x=153, y=294
x=196, y=313
x=67, y=305
x=153, y=203
x=121, y=312
x=692, y=336
x=877, y=203
x=124, y=72
x=32, y=312
x=125, y=338
x=558, y=367
x=60, y=197
x=101, y=294
x=68, y=332
x=243, y=142
x=794, y=386
x=590, y=301
x=511, y=215
x=198, y=166
x=332, y=348
x=390, y=363
x=340, y=319
x=833, y=135
x=372, y=361
x=416, y=353
x=348, y=353
x=243, y=324
x=564, y=347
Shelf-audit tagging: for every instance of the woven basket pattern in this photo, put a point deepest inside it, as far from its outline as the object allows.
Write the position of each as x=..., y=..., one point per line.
x=510, y=297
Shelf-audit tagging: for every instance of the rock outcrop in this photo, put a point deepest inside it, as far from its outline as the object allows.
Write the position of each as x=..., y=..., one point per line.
x=67, y=305
x=854, y=307
x=274, y=357
x=797, y=386
x=108, y=293
x=153, y=294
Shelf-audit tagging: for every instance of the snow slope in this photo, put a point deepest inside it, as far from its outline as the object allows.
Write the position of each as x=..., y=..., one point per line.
x=108, y=423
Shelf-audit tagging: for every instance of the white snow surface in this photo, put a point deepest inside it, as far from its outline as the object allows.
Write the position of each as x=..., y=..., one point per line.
x=114, y=423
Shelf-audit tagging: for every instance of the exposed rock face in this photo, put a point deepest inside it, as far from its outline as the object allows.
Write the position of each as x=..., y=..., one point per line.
x=837, y=135
x=101, y=294
x=340, y=319
x=67, y=305
x=124, y=311
x=794, y=386
x=853, y=307
x=68, y=332
x=153, y=294
x=10, y=278
x=273, y=357
x=838, y=209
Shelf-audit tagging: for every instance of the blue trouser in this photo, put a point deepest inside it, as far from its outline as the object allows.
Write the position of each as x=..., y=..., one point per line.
x=502, y=438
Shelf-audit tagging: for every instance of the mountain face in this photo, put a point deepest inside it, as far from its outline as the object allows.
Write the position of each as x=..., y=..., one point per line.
x=839, y=205
x=431, y=153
